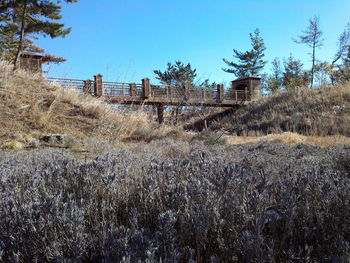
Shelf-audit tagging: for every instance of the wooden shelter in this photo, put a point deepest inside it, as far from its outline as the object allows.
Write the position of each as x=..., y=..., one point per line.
x=250, y=85
x=31, y=61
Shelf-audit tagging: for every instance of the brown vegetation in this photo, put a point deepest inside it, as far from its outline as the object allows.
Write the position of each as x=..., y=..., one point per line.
x=317, y=112
x=290, y=138
x=30, y=107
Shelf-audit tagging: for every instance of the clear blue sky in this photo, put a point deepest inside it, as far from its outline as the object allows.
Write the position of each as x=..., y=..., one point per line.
x=127, y=40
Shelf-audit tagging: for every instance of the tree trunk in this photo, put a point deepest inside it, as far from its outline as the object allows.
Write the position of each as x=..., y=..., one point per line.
x=21, y=38
x=313, y=62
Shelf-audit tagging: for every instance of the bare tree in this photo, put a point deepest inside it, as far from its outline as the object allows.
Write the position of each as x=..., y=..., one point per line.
x=313, y=38
x=342, y=51
x=343, y=44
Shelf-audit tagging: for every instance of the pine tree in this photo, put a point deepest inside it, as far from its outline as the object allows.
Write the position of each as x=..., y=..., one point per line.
x=275, y=80
x=177, y=74
x=8, y=42
x=249, y=62
x=313, y=38
x=23, y=20
x=294, y=76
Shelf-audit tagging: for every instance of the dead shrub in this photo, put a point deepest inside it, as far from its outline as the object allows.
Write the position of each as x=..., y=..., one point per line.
x=171, y=201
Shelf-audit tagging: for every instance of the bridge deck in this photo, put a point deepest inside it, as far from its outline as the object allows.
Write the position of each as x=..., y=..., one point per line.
x=173, y=102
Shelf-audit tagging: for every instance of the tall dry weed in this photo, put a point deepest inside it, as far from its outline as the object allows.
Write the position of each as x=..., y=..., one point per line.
x=318, y=112
x=30, y=106
x=177, y=202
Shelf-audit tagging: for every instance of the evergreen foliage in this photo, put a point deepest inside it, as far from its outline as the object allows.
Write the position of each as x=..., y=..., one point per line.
x=22, y=21
x=294, y=76
x=274, y=82
x=249, y=62
x=177, y=74
x=206, y=84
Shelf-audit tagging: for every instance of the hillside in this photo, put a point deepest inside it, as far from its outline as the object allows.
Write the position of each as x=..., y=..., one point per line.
x=30, y=108
x=319, y=112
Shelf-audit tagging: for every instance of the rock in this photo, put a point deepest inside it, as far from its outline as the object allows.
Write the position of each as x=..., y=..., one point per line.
x=34, y=143
x=59, y=139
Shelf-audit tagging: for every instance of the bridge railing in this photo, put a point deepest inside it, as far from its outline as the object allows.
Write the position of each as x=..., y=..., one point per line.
x=161, y=92
x=76, y=84
x=139, y=90
x=116, y=89
x=82, y=86
x=237, y=95
x=158, y=91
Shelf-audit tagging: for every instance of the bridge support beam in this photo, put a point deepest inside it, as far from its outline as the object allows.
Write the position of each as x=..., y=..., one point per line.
x=160, y=111
x=98, y=87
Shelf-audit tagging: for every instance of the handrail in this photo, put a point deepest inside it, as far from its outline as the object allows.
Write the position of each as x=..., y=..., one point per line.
x=162, y=92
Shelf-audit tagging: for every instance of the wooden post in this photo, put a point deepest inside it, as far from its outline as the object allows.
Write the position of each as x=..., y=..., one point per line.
x=160, y=111
x=172, y=92
x=255, y=89
x=98, y=87
x=220, y=92
x=186, y=89
x=87, y=86
x=133, y=92
x=146, y=88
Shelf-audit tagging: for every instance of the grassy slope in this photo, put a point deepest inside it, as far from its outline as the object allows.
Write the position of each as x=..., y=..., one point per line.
x=31, y=108
x=320, y=112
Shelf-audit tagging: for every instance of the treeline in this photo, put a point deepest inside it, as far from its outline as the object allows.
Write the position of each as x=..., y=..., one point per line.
x=22, y=21
x=285, y=74
x=290, y=73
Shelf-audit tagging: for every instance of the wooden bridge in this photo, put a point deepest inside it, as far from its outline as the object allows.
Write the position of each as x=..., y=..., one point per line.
x=241, y=92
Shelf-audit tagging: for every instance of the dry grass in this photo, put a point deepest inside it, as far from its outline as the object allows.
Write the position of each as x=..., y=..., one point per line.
x=317, y=112
x=30, y=107
x=290, y=138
